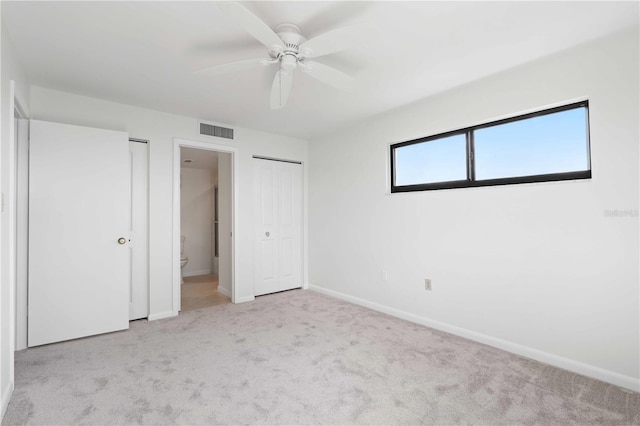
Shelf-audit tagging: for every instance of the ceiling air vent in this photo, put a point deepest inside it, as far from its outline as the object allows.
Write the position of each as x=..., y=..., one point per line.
x=211, y=130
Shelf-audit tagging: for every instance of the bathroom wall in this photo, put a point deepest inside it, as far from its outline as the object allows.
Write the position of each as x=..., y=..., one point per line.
x=196, y=219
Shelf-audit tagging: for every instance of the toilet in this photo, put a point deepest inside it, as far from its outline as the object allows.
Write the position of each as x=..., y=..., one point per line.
x=183, y=259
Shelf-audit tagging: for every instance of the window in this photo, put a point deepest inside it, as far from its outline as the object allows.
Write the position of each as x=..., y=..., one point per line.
x=549, y=145
x=440, y=160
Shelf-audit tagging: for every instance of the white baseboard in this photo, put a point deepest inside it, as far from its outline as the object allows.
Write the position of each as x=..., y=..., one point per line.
x=224, y=291
x=6, y=397
x=244, y=299
x=196, y=273
x=538, y=355
x=161, y=315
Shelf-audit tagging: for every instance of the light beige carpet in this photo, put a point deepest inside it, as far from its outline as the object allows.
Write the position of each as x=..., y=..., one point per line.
x=299, y=357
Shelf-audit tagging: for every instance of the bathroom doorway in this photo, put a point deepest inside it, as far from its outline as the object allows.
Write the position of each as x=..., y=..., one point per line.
x=205, y=213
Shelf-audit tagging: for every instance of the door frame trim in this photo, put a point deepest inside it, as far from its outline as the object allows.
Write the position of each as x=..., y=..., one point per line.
x=175, y=263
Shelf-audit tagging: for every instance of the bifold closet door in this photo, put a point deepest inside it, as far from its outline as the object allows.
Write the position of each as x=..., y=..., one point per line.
x=79, y=211
x=278, y=226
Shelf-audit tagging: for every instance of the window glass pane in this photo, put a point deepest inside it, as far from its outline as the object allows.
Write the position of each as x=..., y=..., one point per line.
x=439, y=160
x=552, y=143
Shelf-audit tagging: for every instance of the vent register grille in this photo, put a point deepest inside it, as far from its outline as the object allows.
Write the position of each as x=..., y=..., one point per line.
x=211, y=130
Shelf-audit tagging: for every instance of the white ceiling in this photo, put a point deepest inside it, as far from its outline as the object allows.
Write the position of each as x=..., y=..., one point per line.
x=144, y=53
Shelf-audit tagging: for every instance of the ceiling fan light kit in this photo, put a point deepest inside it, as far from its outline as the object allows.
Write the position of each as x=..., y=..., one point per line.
x=287, y=47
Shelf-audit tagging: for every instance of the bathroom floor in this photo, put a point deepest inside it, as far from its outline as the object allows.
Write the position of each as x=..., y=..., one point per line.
x=201, y=291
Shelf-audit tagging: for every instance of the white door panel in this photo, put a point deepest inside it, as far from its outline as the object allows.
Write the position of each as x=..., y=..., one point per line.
x=79, y=181
x=290, y=225
x=278, y=226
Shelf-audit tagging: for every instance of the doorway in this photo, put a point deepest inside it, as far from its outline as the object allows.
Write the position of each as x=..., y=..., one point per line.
x=203, y=219
x=203, y=284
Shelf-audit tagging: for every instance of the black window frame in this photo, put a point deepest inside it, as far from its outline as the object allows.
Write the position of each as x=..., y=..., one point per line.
x=470, y=181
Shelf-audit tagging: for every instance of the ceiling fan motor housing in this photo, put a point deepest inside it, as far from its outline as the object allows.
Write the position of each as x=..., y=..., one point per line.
x=289, y=49
x=292, y=39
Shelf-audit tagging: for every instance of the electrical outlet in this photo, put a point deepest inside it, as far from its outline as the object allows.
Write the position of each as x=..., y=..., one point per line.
x=427, y=284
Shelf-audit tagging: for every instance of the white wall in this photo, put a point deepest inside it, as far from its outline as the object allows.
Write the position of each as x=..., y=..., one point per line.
x=538, y=269
x=160, y=129
x=10, y=70
x=196, y=219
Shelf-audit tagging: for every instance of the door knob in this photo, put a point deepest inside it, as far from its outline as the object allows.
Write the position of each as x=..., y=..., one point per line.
x=121, y=240
x=267, y=233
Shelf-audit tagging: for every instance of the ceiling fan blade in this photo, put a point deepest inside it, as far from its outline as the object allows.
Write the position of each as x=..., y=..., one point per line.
x=329, y=75
x=250, y=22
x=231, y=67
x=281, y=88
x=336, y=40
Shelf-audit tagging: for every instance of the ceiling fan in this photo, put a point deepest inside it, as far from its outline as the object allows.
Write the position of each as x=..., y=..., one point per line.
x=290, y=50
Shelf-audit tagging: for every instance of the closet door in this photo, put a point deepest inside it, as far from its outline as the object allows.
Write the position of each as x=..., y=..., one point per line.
x=278, y=226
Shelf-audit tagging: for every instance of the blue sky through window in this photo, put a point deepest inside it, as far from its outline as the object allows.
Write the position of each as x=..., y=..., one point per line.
x=440, y=160
x=552, y=143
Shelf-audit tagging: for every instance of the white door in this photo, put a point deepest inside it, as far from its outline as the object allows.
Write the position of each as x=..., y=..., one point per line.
x=79, y=181
x=278, y=226
x=139, y=231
